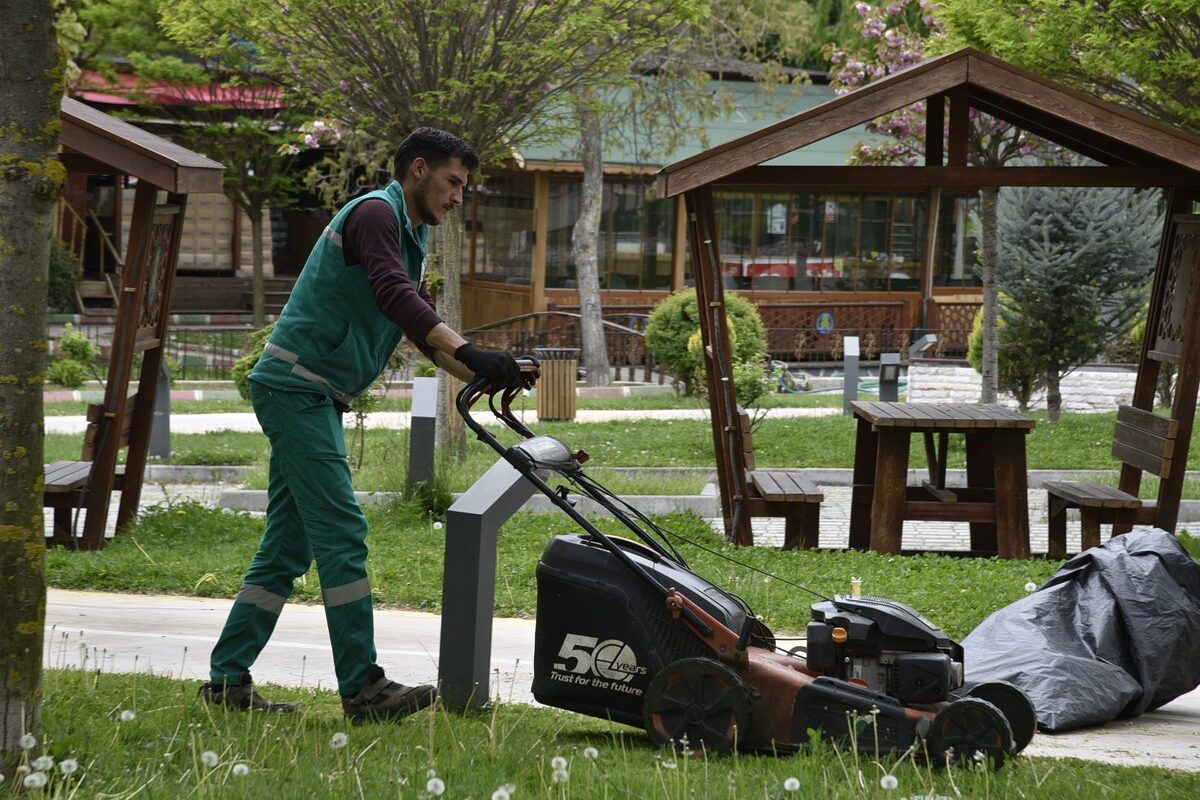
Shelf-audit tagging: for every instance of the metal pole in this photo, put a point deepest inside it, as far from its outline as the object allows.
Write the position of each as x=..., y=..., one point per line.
x=889, y=377
x=469, y=582
x=421, y=432
x=850, y=366
x=160, y=426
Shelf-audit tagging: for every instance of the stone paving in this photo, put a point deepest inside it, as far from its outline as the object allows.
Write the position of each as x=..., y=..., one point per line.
x=918, y=534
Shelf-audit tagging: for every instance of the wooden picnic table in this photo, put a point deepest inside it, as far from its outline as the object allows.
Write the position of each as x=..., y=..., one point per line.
x=994, y=501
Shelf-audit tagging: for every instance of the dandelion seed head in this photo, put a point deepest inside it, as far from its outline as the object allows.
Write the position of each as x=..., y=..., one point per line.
x=561, y=776
x=339, y=740
x=28, y=741
x=209, y=758
x=500, y=794
x=558, y=762
x=431, y=773
x=35, y=780
x=43, y=763
x=791, y=785
x=128, y=716
x=435, y=786
x=69, y=766
x=437, y=526
x=978, y=756
x=1031, y=587
x=241, y=769
x=591, y=753
x=888, y=782
x=669, y=765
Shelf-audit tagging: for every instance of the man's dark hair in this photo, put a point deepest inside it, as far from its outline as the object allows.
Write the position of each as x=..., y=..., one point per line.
x=436, y=147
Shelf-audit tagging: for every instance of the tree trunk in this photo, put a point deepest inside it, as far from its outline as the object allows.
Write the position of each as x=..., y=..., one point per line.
x=257, y=282
x=1053, y=396
x=450, y=431
x=991, y=306
x=585, y=239
x=31, y=178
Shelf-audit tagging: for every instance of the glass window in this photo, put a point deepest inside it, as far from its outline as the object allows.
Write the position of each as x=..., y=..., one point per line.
x=956, y=262
x=501, y=217
x=637, y=231
x=562, y=215
x=812, y=242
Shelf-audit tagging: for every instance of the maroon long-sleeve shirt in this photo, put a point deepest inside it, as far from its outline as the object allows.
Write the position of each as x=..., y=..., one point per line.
x=372, y=238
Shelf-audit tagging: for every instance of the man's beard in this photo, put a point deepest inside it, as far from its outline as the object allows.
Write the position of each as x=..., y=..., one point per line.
x=424, y=210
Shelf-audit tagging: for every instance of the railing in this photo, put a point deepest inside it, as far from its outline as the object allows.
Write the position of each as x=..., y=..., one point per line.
x=626, y=343
x=195, y=353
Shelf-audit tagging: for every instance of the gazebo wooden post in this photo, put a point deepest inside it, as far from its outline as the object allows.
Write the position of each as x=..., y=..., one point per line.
x=155, y=308
x=111, y=415
x=718, y=363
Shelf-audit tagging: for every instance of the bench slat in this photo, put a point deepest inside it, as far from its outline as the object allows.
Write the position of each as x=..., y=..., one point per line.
x=786, y=487
x=1092, y=495
x=66, y=476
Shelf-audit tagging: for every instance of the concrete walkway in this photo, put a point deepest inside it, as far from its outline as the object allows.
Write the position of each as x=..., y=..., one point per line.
x=170, y=635
x=395, y=420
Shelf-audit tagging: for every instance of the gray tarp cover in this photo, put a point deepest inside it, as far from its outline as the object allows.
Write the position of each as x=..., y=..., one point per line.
x=1114, y=633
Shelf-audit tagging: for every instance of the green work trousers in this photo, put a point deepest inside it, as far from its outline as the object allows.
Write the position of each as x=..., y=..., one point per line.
x=311, y=513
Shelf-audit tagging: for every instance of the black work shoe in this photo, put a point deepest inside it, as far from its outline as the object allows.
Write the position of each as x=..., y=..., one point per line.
x=242, y=697
x=382, y=699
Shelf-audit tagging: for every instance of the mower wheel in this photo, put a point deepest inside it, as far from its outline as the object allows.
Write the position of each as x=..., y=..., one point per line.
x=969, y=730
x=696, y=704
x=1014, y=705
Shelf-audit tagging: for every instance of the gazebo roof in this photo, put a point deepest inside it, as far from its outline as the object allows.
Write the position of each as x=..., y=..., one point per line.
x=97, y=142
x=1136, y=149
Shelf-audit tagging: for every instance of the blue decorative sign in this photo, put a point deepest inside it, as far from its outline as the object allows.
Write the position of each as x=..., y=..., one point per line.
x=825, y=323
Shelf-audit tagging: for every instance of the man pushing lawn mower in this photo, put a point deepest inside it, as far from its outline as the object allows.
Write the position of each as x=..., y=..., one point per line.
x=361, y=291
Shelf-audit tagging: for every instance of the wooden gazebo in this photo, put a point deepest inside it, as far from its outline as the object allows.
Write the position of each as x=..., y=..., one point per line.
x=95, y=143
x=1132, y=149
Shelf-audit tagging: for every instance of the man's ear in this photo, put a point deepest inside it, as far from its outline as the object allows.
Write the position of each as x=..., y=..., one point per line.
x=418, y=167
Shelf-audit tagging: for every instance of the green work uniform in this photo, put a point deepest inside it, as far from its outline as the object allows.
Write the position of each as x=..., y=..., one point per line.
x=331, y=342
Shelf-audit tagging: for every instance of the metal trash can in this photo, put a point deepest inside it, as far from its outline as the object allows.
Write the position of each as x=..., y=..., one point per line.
x=556, y=387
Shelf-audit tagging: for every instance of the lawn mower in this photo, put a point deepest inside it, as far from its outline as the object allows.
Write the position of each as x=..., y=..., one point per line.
x=626, y=631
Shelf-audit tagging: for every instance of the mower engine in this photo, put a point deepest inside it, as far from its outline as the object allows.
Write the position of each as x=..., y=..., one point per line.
x=885, y=646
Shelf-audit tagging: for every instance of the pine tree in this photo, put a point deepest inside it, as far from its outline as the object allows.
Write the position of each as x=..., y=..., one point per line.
x=1074, y=269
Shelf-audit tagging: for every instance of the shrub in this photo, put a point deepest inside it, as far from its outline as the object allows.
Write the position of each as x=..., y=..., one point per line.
x=75, y=346
x=250, y=355
x=1018, y=372
x=67, y=373
x=76, y=361
x=675, y=320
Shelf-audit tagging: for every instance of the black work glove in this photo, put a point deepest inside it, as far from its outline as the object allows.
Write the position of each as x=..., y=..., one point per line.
x=499, y=367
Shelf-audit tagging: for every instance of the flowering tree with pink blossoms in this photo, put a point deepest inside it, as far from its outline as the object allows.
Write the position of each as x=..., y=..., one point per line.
x=896, y=36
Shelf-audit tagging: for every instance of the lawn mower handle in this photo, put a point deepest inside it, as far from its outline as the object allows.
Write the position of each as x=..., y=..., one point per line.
x=470, y=394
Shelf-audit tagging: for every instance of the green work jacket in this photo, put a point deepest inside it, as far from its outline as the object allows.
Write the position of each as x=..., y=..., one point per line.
x=331, y=335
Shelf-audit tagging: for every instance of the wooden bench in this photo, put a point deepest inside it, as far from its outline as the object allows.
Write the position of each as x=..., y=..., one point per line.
x=67, y=482
x=1143, y=440
x=779, y=493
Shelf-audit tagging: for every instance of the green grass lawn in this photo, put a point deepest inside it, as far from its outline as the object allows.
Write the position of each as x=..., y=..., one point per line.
x=187, y=549
x=142, y=736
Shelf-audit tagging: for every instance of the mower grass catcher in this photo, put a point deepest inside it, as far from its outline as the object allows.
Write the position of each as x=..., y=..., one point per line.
x=627, y=632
